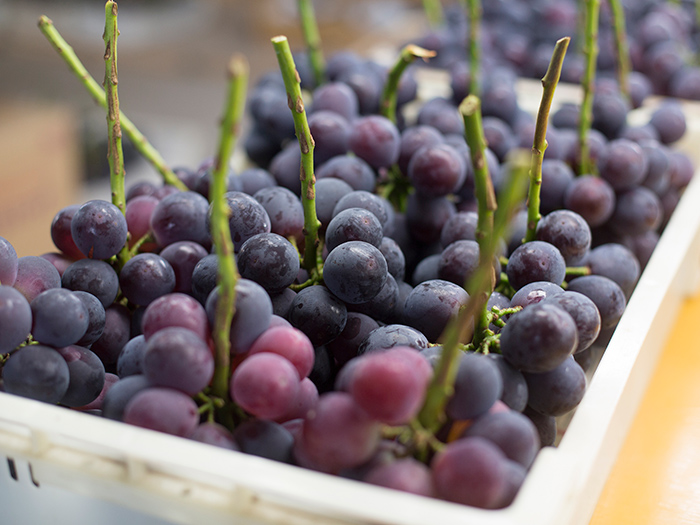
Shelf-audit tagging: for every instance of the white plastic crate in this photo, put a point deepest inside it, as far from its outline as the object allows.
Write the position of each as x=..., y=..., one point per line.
x=67, y=467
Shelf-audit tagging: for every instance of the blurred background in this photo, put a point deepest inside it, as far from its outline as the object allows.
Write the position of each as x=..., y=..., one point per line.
x=172, y=56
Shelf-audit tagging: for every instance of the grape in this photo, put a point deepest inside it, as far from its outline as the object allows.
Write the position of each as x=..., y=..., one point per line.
x=318, y=313
x=175, y=309
x=8, y=263
x=281, y=303
x=183, y=256
x=389, y=336
x=290, y=343
x=609, y=113
x=426, y=217
x=15, y=319
x=366, y=84
x=59, y=318
x=117, y=397
x=387, y=387
x=163, y=410
x=177, y=358
x=286, y=215
x=471, y=471
x=394, y=257
x=568, y=232
x=514, y=393
x=204, y=277
x=669, y=121
x=266, y=439
x=427, y=269
x=324, y=371
x=260, y=147
x=96, y=318
x=269, y=109
x=115, y=334
x=682, y=170
x=357, y=327
x=605, y=293
x=130, y=358
x=87, y=376
x=61, y=232
x=534, y=293
x=538, y=338
x=58, y=260
x=405, y=474
x=247, y=217
x=512, y=432
x=181, y=217
x=145, y=277
x=353, y=224
x=535, y=261
x=413, y=139
x=328, y=192
x=459, y=261
x=306, y=400
x=331, y=133
x=148, y=188
x=253, y=180
x=431, y=305
x=93, y=276
x=437, y=170
x=285, y=167
x=637, y=210
x=616, y=262
x=35, y=275
x=214, y=434
x=461, y=226
x=384, y=307
x=37, y=372
x=584, y=313
x=478, y=385
x=355, y=272
x=658, y=175
x=99, y=229
x=253, y=311
x=440, y=114
x=367, y=201
x=265, y=384
x=270, y=260
x=138, y=219
x=643, y=245
x=558, y=391
x=338, y=434
x=375, y=140
x=337, y=97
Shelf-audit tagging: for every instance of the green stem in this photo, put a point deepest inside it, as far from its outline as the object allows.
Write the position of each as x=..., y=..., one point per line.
x=434, y=13
x=441, y=386
x=475, y=13
x=577, y=271
x=140, y=242
x=115, y=152
x=227, y=272
x=623, y=51
x=306, y=144
x=137, y=138
x=549, y=85
x=590, y=48
x=313, y=40
x=470, y=108
x=387, y=106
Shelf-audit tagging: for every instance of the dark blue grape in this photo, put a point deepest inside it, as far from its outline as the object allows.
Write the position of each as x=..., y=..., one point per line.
x=270, y=260
x=558, y=391
x=605, y=293
x=318, y=313
x=87, y=376
x=145, y=277
x=395, y=259
x=266, y=439
x=458, y=262
x=15, y=319
x=478, y=385
x=533, y=293
x=617, y=262
x=431, y=305
x=120, y=394
x=375, y=139
x=247, y=217
x=353, y=224
x=514, y=393
x=131, y=357
x=96, y=318
x=328, y=192
x=99, y=229
x=204, y=277
x=181, y=217
x=286, y=215
x=183, y=256
x=331, y=133
x=59, y=318
x=512, y=432
x=568, y=232
x=37, y=372
x=93, y=276
x=115, y=335
x=535, y=261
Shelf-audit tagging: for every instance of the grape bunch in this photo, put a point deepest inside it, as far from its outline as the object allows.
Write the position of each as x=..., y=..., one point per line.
x=341, y=355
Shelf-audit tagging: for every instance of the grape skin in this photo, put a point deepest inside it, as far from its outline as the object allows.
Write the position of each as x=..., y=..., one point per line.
x=37, y=372
x=15, y=319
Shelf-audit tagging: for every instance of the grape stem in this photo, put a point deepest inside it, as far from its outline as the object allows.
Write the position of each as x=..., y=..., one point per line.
x=590, y=49
x=433, y=12
x=312, y=37
x=227, y=271
x=577, y=271
x=441, y=387
x=539, y=145
x=306, y=144
x=140, y=142
x=622, y=46
x=390, y=94
x=115, y=152
x=475, y=14
x=470, y=108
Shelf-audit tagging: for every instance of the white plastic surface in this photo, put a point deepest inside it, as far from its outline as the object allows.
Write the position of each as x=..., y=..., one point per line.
x=91, y=470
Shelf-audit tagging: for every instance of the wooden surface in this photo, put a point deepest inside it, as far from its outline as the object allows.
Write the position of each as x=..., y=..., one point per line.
x=656, y=478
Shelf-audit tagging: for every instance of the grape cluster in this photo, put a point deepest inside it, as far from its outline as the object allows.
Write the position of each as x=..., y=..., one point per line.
x=332, y=366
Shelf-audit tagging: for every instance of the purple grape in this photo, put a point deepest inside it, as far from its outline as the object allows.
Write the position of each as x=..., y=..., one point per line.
x=426, y=217
x=413, y=139
x=139, y=211
x=204, y=277
x=395, y=259
x=59, y=318
x=337, y=97
x=384, y=307
x=8, y=263
x=130, y=358
x=35, y=275
x=584, y=313
x=346, y=346
x=328, y=192
x=512, y=432
x=331, y=133
x=458, y=262
x=546, y=426
x=319, y=314
x=478, y=385
x=15, y=319
x=535, y=261
x=181, y=217
x=440, y=114
x=116, y=399
x=214, y=434
x=391, y=335
x=265, y=439
x=145, y=277
x=253, y=180
x=605, y=293
x=163, y=410
x=115, y=335
x=514, y=393
x=616, y=262
x=353, y=224
x=539, y=338
x=535, y=292
x=437, y=170
x=99, y=229
x=669, y=121
x=404, y=474
x=61, y=232
x=93, y=276
x=286, y=215
x=175, y=309
x=431, y=305
x=375, y=140
x=247, y=217
x=96, y=318
x=637, y=210
x=623, y=164
x=270, y=260
x=177, y=358
x=285, y=167
x=183, y=256
x=568, y=232
x=37, y=372
x=558, y=391
x=87, y=376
